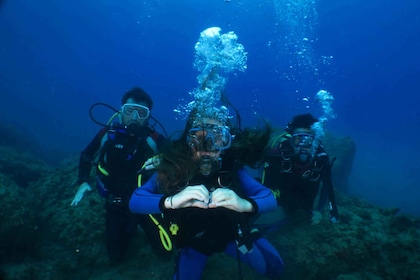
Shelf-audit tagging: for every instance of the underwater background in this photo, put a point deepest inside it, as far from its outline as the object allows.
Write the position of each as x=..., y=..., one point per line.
x=58, y=57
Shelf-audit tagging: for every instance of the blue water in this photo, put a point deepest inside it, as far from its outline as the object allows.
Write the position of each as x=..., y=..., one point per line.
x=59, y=57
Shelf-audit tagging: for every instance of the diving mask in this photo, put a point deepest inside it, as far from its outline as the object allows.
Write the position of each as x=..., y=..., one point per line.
x=132, y=109
x=302, y=140
x=211, y=137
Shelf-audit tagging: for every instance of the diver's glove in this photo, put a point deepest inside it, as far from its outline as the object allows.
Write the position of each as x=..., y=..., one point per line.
x=334, y=218
x=316, y=217
x=79, y=195
x=333, y=214
x=152, y=163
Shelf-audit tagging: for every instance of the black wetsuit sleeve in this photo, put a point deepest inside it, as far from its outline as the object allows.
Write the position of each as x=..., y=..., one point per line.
x=328, y=191
x=87, y=156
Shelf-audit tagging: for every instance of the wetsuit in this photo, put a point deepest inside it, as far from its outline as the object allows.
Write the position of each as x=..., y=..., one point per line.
x=295, y=185
x=119, y=156
x=205, y=231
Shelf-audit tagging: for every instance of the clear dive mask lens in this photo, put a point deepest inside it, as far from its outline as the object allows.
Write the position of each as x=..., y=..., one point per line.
x=130, y=109
x=302, y=140
x=216, y=136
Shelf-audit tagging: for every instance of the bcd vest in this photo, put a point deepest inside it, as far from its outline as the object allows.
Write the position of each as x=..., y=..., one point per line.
x=121, y=157
x=282, y=160
x=210, y=230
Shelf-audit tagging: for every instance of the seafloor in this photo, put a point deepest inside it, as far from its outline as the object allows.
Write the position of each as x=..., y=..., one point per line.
x=43, y=237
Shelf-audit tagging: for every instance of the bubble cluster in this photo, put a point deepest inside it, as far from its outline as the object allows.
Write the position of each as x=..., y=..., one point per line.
x=326, y=99
x=216, y=55
x=296, y=21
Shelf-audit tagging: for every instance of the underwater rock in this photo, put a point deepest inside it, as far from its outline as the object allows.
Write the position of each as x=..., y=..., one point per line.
x=58, y=241
x=12, y=136
x=19, y=231
x=21, y=167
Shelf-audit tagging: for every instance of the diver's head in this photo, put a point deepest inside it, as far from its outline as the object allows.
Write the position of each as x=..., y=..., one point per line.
x=135, y=110
x=208, y=135
x=302, y=137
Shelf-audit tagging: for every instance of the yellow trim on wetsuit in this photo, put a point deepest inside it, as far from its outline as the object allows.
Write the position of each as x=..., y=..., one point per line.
x=140, y=174
x=103, y=170
x=139, y=180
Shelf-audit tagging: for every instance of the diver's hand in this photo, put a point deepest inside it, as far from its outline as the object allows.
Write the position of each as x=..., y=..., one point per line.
x=191, y=196
x=79, y=195
x=316, y=217
x=152, y=163
x=334, y=215
x=224, y=197
x=334, y=220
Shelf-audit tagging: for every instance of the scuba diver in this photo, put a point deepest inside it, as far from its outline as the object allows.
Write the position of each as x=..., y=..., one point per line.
x=119, y=152
x=298, y=171
x=203, y=190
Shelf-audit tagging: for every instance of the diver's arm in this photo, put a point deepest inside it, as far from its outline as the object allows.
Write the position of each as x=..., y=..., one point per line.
x=146, y=199
x=88, y=155
x=329, y=193
x=85, y=165
x=323, y=196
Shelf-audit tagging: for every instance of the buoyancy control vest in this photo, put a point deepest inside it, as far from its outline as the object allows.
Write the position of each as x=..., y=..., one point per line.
x=121, y=157
x=294, y=185
x=282, y=160
x=210, y=230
